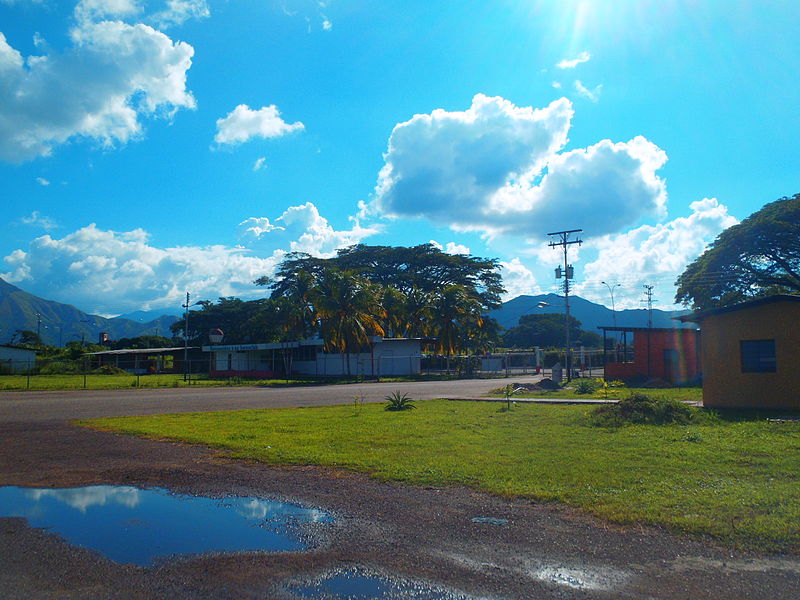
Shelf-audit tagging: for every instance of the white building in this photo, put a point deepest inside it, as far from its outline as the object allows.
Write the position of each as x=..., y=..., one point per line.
x=384, y=357
x=15, y=360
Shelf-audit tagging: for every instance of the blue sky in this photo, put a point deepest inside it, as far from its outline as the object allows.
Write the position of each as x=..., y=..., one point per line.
x=153, y=148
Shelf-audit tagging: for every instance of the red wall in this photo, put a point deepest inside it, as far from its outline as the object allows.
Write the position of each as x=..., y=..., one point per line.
x=685, y=343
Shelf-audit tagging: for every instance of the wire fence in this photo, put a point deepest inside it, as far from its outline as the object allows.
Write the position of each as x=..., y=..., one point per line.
x=172, y=371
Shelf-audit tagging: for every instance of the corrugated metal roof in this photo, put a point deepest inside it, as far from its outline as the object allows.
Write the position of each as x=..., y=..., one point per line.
x=141, y=351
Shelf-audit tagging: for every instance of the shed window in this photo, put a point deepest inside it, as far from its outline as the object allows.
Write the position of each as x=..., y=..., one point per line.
x=758, y=356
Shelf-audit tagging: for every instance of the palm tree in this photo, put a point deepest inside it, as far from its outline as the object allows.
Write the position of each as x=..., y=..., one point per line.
x=455, y=313
x=349, y=311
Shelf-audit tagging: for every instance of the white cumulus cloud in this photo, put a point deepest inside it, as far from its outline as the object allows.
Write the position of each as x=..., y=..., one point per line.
x=259, y=164
x=113, y=74
x=300, y=229
x=518, y=279
x=244, y=123
x=451, y=247
x=109, y=272
x=112, y=272
x=571, y=63
x=501, y=169
x=654, y=254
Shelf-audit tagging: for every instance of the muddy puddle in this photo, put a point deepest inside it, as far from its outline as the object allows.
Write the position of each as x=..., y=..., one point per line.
x=140, y=526
x=362, y=584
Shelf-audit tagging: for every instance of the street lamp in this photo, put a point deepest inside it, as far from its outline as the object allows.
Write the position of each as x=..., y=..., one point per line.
x=611, y=291
x=186, y=336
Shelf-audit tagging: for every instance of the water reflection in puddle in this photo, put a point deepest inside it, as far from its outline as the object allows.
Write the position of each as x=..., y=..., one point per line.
x=128, y=524
x=358, y=584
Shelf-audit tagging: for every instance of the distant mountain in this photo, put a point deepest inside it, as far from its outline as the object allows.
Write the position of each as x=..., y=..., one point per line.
x=60, y=323
x=590, y=315
x=145, y=316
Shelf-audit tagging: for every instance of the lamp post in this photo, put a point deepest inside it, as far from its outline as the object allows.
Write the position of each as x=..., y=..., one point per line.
x=613, y=309
x=186, y=336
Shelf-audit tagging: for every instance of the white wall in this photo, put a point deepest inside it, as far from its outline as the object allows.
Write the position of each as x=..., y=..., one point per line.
x=17, y=359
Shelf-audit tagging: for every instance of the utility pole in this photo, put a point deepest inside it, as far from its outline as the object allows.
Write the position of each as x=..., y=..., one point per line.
x=186, y=339
x=562, y=239
x=39, y=327
x=648, y=291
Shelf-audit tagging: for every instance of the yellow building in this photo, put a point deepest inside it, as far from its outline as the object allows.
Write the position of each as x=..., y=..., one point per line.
x=751, y=353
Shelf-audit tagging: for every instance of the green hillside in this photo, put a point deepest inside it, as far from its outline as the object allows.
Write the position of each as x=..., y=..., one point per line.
x=61, y=323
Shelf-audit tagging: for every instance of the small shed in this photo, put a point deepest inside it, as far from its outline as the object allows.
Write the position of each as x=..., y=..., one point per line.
x=14, y=359
x=751, y=353
x=671, y=354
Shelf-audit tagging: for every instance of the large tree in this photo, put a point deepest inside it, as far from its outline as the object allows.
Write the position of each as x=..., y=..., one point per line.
x=547, y=330
x=758, y=257
x=422, y=267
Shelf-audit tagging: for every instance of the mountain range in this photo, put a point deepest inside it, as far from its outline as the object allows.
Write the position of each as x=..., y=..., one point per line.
x=590, y=315
x=59, y=323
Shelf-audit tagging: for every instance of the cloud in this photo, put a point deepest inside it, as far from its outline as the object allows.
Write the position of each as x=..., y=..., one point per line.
x=38, y=220
x=178, y=12
x=556, y=85
x=501, y=169
x=42, y=181
x=593, y=94
x=571, y=63
x=451, y=247
x=91, y=10
x=259, y=164
x=112, y=75
x=109, y=272
x=518, y=279
x=300, y=229
x=653, y=254
x=243, y=124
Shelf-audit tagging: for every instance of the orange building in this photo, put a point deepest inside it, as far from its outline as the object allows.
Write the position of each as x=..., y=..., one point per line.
x=668, y=354
x=751, y=353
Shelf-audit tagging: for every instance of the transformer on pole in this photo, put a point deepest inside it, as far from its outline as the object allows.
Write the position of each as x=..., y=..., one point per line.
x=563, y=240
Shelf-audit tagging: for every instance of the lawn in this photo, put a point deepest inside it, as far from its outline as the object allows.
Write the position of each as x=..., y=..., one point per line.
x=103, y=381
x=686, y=394
x=95, y=381
x=734, y=477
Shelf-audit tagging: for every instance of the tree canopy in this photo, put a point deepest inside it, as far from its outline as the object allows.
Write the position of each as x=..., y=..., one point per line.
x=380, y=290
x=547, y=330
x=422, y=267
x=758, y=257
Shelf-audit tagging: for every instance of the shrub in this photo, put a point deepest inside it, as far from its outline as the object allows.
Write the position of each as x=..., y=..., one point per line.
x=640, y=409
x=586, y=386
x=398, y=401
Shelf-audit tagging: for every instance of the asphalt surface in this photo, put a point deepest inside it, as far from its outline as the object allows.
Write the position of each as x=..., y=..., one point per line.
x=37, y=406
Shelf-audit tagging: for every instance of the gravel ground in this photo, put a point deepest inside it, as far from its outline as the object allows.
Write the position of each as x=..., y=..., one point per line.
x=426, y=534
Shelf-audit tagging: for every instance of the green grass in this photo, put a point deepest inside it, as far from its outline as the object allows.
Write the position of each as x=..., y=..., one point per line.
x=733, y=478
x=96, y=381
x=106, y=382
x=693, y=394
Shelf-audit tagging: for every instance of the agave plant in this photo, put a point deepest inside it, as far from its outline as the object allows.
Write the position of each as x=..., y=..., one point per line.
x=398, y=401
